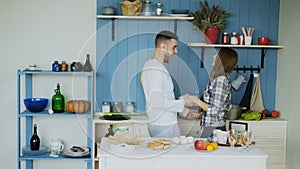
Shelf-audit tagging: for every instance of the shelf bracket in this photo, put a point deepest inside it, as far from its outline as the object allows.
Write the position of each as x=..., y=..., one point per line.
x=113, y=29
x=262, y=57
x=175, y=26
x=202, y=56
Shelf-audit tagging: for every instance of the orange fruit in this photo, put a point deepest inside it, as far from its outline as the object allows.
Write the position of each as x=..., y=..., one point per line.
x=215, y=145
x=209, y=148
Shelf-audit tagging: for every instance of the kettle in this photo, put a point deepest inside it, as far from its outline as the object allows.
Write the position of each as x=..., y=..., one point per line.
x=108, y=10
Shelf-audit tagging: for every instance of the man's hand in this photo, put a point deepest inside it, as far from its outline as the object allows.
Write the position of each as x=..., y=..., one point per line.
x=193, y=115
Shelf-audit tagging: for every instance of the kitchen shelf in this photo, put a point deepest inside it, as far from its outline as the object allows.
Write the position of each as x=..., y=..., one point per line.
x=45, y=113
x=262, y=55
x=47, y=157
x=28, y=117
x=164, y=17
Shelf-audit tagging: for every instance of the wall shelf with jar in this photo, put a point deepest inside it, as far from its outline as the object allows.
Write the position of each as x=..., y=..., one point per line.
x=26, y=88
x=263, y=49
x=173, y=17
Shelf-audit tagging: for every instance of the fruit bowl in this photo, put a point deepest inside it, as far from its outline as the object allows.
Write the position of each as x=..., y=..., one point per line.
x=35, y=104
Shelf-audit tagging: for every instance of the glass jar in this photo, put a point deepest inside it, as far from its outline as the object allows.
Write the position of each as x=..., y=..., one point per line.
x=105, y=106
x=147, y=8
x=117, y=107
x=225, y=38
x=64, y=66
x=129, y=107
x=55, y=66
x=234, y=39
x=159, y=10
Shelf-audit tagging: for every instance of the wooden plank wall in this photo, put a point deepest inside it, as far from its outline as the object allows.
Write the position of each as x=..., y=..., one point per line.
x=120, y=62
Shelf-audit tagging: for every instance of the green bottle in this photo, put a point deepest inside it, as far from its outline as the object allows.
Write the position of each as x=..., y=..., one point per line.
x=58, y=101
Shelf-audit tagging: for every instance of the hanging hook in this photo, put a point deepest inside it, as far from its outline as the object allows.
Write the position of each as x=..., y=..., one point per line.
x=237, y=69
x=251, y=69
x=244, y=67
x=258, y=68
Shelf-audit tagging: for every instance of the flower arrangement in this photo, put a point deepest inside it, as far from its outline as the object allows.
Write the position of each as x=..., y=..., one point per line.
x=207, y=17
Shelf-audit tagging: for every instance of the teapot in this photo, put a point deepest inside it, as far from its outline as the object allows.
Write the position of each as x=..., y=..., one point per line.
x=56, y=147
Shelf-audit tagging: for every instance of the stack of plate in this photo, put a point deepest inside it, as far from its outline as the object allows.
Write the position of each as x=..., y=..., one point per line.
x=77, y=151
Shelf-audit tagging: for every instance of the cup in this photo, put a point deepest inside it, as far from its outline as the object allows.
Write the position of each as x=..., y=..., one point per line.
x=56, y=147
x=221, y=136
x=264, y=41
x=248, y=40
x=236, y=84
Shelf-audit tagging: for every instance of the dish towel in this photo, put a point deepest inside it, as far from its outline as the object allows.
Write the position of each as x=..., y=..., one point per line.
x=245, y=102
x=257, y=103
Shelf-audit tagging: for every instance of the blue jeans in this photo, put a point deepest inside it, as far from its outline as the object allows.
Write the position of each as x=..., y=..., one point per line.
x=164, y=131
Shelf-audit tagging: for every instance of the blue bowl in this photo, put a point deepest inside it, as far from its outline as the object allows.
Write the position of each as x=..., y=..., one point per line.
x=35, y=104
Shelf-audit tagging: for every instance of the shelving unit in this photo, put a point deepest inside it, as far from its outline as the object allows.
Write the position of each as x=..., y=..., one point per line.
x=29, y=116
x=262, y=47
x=164, y=17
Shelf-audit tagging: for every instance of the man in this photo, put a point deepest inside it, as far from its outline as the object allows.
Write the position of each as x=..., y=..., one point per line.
x=161, y=106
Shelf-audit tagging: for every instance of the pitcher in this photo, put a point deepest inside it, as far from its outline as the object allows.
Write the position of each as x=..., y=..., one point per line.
x=56, y=147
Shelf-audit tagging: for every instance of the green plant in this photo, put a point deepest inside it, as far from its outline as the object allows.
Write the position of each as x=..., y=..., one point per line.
x=209, y=17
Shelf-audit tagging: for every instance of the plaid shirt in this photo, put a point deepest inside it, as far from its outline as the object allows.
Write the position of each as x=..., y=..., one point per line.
x=218, y=96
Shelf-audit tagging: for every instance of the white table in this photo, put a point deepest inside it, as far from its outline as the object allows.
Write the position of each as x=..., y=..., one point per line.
x=180, y=157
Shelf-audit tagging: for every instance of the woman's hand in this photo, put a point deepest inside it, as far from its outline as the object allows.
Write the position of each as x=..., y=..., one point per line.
x=187, y=101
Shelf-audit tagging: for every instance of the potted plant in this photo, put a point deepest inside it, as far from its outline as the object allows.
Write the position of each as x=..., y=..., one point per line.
x=210, y=21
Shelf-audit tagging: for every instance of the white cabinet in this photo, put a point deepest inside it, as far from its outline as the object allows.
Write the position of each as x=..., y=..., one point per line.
x=137, y=126
x=270, y=136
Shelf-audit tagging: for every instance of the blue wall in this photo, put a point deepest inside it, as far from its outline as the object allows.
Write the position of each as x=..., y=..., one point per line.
x=120, y=62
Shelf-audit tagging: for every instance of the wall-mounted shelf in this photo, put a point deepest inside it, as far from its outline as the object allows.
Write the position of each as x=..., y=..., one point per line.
x=262, y=47
x=164, y=17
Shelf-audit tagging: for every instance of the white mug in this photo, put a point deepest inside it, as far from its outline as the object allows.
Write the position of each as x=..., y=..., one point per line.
x=221, y=136
x=236, y=84
x=56, y=147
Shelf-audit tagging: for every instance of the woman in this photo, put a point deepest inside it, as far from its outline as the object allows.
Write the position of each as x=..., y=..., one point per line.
x=217, y=94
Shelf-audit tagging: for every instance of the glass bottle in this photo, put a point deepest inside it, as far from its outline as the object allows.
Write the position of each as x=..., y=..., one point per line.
x=110, y=131
x=87, y=67
x=58, y=101
x=233, y=39
x=129, y=107
x=159, y=10
x=35, y=140
x=225, y=38
x=64, y=66
x=55, y=66
x=147, y=8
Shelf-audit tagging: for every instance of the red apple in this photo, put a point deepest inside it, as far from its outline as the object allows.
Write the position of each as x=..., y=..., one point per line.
x=275, y=113
x=249, y=111
x=265, y=111
x=200, y=145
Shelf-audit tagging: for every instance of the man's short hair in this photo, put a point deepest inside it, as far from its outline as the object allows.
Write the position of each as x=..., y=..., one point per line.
x=164, y=35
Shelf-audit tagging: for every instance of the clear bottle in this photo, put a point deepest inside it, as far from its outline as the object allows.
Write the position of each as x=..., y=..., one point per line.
x=35, y=140
x=87, y=67
x=147, y=8
x=117, y=107
x=58, y=101
x=129, y=107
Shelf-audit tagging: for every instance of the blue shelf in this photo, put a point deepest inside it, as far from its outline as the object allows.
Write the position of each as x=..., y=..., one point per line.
x=47, y=157
x=48, y=72
x=45, y=113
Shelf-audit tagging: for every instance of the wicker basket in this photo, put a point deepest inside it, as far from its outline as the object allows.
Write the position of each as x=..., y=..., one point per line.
x=131, y=8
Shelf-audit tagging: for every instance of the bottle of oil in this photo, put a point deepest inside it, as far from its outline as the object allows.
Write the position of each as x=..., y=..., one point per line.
x=35, y=140
x=58, y=101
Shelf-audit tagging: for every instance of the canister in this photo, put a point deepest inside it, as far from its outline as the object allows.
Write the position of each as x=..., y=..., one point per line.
x=117, y=107
x=105, y=106
x=129, y=107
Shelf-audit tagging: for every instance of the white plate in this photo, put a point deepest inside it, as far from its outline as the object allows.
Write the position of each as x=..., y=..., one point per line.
x=84, y=151
x=179, y=15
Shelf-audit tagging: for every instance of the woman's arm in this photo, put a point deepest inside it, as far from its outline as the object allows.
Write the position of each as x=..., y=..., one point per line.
x=199, y=102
